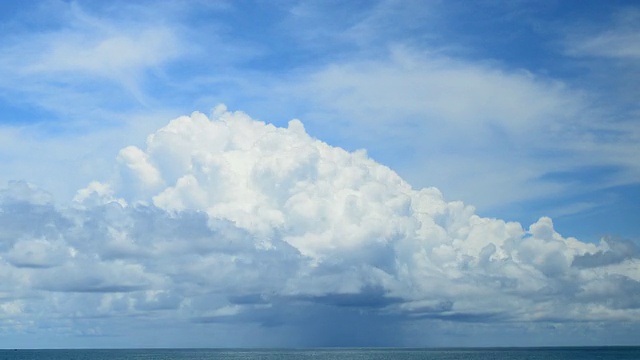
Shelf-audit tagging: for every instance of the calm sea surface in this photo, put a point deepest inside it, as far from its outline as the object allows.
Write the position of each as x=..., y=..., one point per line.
x=582, y=353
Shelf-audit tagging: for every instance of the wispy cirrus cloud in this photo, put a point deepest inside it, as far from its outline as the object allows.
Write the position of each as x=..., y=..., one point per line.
x=619, y=40
x=87, y=61
x=501, y=123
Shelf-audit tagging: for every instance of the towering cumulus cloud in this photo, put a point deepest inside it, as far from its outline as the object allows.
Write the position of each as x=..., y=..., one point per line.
x=233, y=221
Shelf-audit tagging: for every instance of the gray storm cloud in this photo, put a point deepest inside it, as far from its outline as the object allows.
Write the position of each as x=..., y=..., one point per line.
x=231, y=220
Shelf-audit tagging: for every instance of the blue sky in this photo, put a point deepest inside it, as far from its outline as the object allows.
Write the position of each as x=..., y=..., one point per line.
x=521, y=110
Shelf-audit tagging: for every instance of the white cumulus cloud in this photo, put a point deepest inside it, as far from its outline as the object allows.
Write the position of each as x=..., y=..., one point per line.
x=230, y=220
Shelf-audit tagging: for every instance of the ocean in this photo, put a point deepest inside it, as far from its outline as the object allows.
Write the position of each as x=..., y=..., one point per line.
x=560, y=353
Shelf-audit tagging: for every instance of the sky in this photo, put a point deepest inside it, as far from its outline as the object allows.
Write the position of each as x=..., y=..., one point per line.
x=319, y=173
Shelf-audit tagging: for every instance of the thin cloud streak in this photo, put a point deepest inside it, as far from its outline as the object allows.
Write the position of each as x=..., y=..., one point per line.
x=62, y=67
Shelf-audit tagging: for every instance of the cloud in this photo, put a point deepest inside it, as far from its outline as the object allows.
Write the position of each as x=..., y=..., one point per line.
x=609, y=51
x=97, y=65
x=476, y=126
x=36, y=253
x=614, y=252
x=228, y=220
x=85, y=62
x=618, y=41
x=225, y=222
x=446, y=91
x=491, y=130
x=104, y=54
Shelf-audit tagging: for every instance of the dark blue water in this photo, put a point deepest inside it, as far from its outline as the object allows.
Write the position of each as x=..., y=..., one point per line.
x=582, y=353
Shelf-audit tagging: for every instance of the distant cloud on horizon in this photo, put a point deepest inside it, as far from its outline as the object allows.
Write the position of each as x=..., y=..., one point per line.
x=230, y=221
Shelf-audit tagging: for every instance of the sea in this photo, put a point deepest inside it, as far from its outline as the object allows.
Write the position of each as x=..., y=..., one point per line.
x=559, y=353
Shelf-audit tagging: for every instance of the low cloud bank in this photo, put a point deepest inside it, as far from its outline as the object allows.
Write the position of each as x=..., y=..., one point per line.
x=231, y=220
